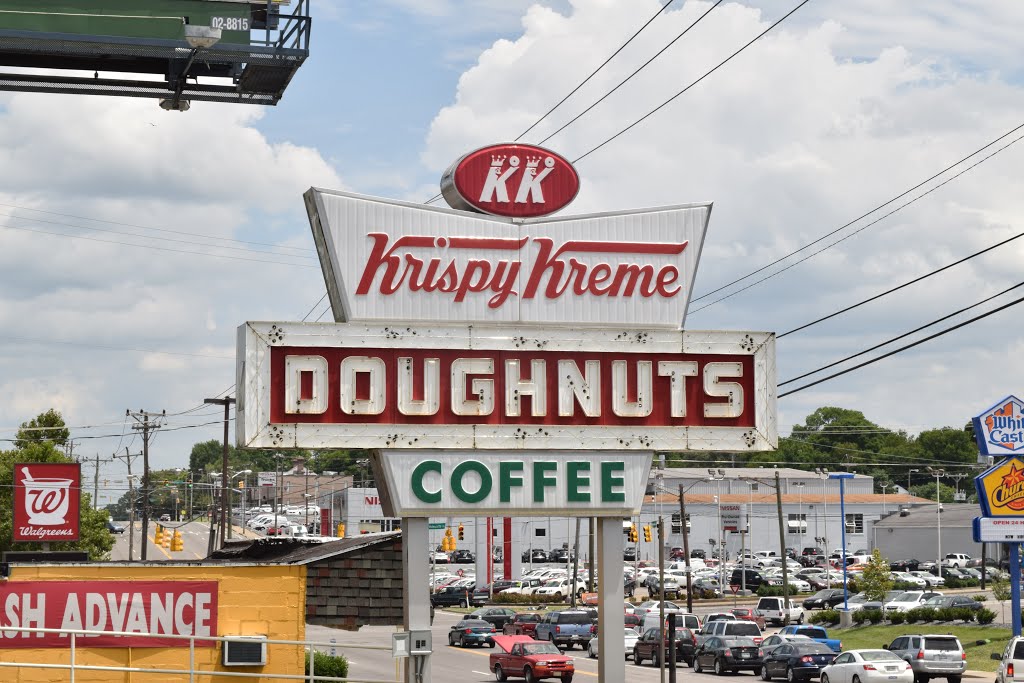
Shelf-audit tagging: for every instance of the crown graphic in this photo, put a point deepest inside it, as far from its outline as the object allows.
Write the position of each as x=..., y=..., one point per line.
x=498, y=159
x=532, y=162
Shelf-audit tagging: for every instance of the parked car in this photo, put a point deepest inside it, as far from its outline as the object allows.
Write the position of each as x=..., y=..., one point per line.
x=468, y=632
x=930, y=580
x=629, y=636
x=451, y=596
x=811, y=550
x=747, y=614
x=462, y=557
x=953, y=601
x=114, y=528
x=654, y=645
x=909, y=579
x=907, y=565
x=751, y=578
x=561, y=555
x=824, y=599
x=956, y=560
x=860, y=601
x=730, y=629
x=699, y=553
x=773, y=641
x=521, y=656
x=867, y=666
x=496, y=616
x=931, y=656
x=727, y=654
x=1011, y=661
x=815, y=633
x=654, y=606
x=796, y=661
x=536, y=555
x=567, y=628
x=774, y=611
x=165, y=518
x=683, y=620
x=909, y=600
x=522, y=624
x=629, y=554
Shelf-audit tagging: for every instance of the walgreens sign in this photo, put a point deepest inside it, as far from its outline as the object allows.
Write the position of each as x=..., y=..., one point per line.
x=388, y=260
x=46, y=501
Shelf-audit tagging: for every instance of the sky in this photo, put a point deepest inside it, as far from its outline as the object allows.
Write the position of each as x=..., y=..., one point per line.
x=136, y=241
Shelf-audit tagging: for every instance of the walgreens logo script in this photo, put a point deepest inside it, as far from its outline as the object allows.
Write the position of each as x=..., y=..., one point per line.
x=538, y=265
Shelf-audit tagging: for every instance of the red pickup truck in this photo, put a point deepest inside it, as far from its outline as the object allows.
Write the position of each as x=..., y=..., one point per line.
x=534, y=660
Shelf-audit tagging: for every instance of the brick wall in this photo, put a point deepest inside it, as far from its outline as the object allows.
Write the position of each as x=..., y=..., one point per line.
x=363, y=587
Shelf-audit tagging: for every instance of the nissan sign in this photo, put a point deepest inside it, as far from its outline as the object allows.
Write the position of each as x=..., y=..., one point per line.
x=513, y=180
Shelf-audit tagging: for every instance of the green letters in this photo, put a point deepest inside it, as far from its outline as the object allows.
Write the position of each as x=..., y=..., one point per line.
x=485, y=481
x=541, y=480
x=576, y=480
x=505, y=479
x=610, y=480
x=417, y=481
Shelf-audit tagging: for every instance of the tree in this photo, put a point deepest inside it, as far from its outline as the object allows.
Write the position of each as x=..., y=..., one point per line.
x=875, y=580
x=48, y=426
x=946, y=493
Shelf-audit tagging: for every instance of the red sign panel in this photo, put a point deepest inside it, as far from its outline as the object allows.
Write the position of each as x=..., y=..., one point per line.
x=480, y=387
x=514, y=180
x=46, y=501
x=185, y=608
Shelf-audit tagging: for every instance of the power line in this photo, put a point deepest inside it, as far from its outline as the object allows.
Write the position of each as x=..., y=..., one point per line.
x=630, y=76
x=903, y=348
x=902, y=336
x=865, y=215
x=594, y=72
x=706, y=74
x=313, y=308
x=899, y=287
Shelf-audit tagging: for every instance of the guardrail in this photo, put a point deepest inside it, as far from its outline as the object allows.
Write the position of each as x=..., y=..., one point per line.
x=192, y=672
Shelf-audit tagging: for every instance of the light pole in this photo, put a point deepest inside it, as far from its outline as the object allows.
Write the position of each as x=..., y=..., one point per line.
x=823, y=473
x=800, y=517
x=717, y=476
x=842, y=477
x=884, y=487
x=938, y=519
x=909, y=472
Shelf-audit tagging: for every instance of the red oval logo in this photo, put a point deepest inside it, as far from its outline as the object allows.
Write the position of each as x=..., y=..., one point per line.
x=514, y=180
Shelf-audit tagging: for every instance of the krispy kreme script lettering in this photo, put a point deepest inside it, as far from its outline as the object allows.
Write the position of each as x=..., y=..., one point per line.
x=422, y=263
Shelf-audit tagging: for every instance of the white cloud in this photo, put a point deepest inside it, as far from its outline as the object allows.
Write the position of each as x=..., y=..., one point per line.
x=816, y=123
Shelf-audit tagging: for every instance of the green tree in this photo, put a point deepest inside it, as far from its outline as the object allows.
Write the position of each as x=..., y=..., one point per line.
x=946, y=493
x=875, y=580
x=48, y=426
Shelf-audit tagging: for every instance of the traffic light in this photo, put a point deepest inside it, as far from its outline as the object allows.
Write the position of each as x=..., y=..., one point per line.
x=462, y=533
x=341, y=531
x=241, y=484
x=633, y=536
x=647, y=532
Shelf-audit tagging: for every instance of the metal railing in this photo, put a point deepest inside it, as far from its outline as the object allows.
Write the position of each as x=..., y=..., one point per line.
x=72, y=666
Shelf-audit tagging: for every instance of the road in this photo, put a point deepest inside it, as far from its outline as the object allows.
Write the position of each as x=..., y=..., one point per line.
x=194, y=534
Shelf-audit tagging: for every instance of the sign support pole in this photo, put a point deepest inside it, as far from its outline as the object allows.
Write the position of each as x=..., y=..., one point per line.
x=611, y=618
x=1015, y=587
x=416, y=591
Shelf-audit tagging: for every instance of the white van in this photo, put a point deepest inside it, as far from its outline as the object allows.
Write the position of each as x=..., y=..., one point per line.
x=772, y=611
x=683, y=620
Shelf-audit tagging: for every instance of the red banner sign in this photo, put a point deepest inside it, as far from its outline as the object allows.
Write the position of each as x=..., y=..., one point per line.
x=435, y=386
x=46, y=501
x=184, y=608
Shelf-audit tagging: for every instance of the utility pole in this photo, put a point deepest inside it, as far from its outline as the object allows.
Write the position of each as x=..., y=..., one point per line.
x=131, y=501
x=686, y=551
x=782, y=545
x=145, y=426
x=225, y=528
x=661, y=598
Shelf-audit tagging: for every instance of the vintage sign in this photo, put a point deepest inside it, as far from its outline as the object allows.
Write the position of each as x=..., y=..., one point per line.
x=1000, y=429
x=184, y=608
x=448, y=386
x=989, y=530
x=46, y=501
x=388, y=260
x=509, y=483
x=513, y=180
x=1001, y=489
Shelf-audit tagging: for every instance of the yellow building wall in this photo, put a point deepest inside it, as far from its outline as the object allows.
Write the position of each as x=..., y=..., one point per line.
x=265, y=600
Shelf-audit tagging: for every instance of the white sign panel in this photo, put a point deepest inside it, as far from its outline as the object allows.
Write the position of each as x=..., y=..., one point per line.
x=390, y=260
x=512, y=483
x=1001, y=529
x=734, y=517
x=313, y=385
x=266, y=478
x=1000, y=429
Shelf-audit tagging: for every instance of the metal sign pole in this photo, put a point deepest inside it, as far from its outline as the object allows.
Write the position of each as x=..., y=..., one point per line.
x=611, y=618
x=1015, y=587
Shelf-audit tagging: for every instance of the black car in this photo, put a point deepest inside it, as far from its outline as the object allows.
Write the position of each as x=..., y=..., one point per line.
x=812, y=560
x=724, y=655
x=953, y=601
x=114, y=528
x=449, y=596
x=796, y=661
x=471, y=632
x=628, y=586
x=629, y=554
x=462, y=557
x=907, y=565
x=561, y=555
x=647, y=647
x=824, y=599
x=535, y=555
x=753, y=579
x=698, y=553
x=812, y=551
x=496, y=616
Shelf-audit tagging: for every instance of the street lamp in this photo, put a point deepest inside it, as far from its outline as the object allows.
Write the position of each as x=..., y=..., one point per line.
x=717, y=476
x=938, y=519
x=842, y=477
x=800, y=517
x=884, y=487
x=823, y=473
x=909, y=472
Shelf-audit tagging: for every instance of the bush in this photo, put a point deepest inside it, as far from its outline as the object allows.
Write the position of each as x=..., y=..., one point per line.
x=912, y=616
x=828, y=617
x=326, y=665
x=875, y=616
x=965, y=614
x=766, y=591
x=985, y=616
x=945, y=614
x=928, y=614
x=518, y=599
x=859, y=617
x=897, y=617
x=980, y=597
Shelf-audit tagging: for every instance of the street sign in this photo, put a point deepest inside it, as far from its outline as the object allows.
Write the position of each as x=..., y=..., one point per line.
x=734, y=587
x=996, y=530
x=434, y=526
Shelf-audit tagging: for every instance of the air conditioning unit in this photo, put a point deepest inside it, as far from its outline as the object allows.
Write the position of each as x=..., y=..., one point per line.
x=245, y=651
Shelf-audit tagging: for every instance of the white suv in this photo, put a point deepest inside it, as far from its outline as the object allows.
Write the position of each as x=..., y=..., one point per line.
x=1011, y=661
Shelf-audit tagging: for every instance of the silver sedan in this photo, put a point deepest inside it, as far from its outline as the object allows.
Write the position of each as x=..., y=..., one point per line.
x=630, y=637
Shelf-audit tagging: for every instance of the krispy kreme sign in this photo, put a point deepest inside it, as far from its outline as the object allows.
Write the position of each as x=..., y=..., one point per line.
x=479, y=386
x=386, y=260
